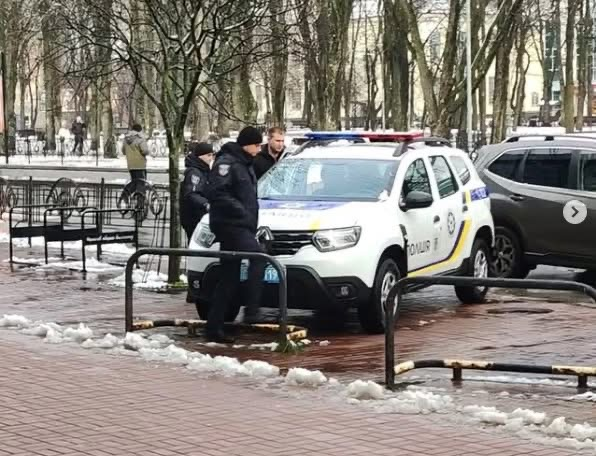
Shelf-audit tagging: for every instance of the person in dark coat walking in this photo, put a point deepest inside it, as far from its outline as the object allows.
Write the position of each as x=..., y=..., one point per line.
x=79, y=130
x=271, y=152
x=193, y=202
x=233, y=219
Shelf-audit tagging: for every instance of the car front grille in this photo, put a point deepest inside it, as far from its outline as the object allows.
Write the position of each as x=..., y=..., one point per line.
x=289, y=242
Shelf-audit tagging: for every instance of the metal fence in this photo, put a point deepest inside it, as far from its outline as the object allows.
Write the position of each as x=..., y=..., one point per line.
x=150, y=199
x=392, y=311
x=31, y=147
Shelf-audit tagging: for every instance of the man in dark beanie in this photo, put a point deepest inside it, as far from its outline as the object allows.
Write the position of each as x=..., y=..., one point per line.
x=233, y=219
x=193, y=203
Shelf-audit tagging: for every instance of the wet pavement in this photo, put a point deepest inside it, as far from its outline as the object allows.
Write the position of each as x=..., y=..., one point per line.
x=531, y=327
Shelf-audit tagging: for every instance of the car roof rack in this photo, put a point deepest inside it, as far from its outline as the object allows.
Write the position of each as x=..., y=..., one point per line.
x=548, y=137
x=433, y=141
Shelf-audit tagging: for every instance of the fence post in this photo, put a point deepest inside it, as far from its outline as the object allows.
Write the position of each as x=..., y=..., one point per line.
x=29, y=203
x=99, y=220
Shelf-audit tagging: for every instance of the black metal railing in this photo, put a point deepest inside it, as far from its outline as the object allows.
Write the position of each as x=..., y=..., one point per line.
x=392, y=311
x=150, y=199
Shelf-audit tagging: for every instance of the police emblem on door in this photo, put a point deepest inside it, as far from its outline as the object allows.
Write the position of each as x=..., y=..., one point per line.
x=451, y=223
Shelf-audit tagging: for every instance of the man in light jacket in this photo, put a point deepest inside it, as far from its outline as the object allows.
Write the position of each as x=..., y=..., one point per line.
x=136, y=150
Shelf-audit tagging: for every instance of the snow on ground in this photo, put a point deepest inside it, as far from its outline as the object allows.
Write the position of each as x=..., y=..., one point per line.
x=525, y=423
x=146, y=279
x=116, y=249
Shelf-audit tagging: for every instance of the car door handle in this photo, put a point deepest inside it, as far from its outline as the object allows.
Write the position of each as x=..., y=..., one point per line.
x=516, y=197
x=437, y=219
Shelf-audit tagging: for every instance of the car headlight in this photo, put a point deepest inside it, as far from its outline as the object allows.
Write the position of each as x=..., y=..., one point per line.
x=342, y=238
x=203, y=236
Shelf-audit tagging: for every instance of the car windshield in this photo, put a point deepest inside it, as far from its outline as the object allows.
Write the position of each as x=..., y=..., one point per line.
x=329, y=179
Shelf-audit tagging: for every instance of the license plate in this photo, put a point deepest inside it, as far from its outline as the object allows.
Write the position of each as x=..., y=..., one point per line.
x=270, y=276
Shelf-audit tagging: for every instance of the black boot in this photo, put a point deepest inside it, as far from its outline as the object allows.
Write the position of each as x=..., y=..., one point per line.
x=218, y=337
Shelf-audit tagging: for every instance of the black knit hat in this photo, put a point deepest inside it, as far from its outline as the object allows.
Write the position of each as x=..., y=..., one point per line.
x=199, y=149
x=249, y=136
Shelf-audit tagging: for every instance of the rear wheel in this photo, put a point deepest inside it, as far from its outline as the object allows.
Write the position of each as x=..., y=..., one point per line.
x=478, y=266
x=508, y=261
x=372, y=313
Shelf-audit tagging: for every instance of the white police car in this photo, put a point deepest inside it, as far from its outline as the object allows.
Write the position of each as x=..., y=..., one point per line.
x=347, y=221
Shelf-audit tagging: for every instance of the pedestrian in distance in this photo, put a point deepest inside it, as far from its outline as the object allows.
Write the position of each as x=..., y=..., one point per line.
x=193, y=202
x=233, y=219
x=271, y=152
x=136, y=150
x=79, y=131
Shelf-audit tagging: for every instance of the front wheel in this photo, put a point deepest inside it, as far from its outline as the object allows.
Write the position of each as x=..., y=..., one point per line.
x=478, y=267
x=372, y=313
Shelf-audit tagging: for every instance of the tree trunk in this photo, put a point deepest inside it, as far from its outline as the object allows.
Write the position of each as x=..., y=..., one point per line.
x=521, y=71
x=176, y=148
x=23, y=83
x=94, y=123
x=569, y=94
x=501, y=91
x=590, y=55
x=50, y=83
x=280, y=64
x=395, y=34
x=582, y=61
x=107, y=121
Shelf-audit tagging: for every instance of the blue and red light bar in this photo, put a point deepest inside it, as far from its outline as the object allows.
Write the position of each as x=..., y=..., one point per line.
x=371, y=136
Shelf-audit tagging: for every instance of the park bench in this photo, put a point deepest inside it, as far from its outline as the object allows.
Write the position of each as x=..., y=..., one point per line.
x=61, y=231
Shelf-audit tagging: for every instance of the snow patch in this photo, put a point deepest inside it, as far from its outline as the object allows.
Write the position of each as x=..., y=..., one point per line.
x=368, y=390
x=145, y=279
x=298, y=376
x=418, y=402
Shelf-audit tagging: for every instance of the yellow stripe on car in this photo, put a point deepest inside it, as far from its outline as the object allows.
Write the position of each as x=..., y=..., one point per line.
x=455, y=254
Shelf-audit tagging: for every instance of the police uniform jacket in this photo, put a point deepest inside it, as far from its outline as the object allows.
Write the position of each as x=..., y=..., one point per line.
x=193, y=202
x=232, y=190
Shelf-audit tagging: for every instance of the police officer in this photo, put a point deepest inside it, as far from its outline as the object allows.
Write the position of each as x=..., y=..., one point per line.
x=193, y=202
x=233, y=219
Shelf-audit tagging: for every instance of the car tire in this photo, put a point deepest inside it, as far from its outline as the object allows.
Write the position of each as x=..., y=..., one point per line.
x=204, y=305
x=478, y=266
x=371, y=313
x=508, y=260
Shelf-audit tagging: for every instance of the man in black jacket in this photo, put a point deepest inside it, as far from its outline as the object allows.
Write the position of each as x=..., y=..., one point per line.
x=271, y=152
x=233, y=219
x=193, y=202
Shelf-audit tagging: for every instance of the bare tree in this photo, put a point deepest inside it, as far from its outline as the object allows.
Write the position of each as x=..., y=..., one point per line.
x=443, y=98
x=189, y=44
x=19, y=22
x=323, y=26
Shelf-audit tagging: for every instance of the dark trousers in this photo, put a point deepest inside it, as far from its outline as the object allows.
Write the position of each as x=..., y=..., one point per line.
x=240, y=240
x=78, y=142
x=137, y=174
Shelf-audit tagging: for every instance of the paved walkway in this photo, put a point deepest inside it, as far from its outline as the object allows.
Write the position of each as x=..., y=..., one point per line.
x=61, y=400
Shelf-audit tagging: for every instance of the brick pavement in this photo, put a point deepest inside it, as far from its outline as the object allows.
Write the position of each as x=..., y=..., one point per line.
x=61, y=400
x=452, y=330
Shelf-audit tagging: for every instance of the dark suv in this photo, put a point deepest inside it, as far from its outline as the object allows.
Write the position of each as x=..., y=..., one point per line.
x=531, y=179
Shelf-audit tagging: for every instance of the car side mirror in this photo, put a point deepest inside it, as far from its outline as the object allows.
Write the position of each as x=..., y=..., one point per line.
x=417, y=200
